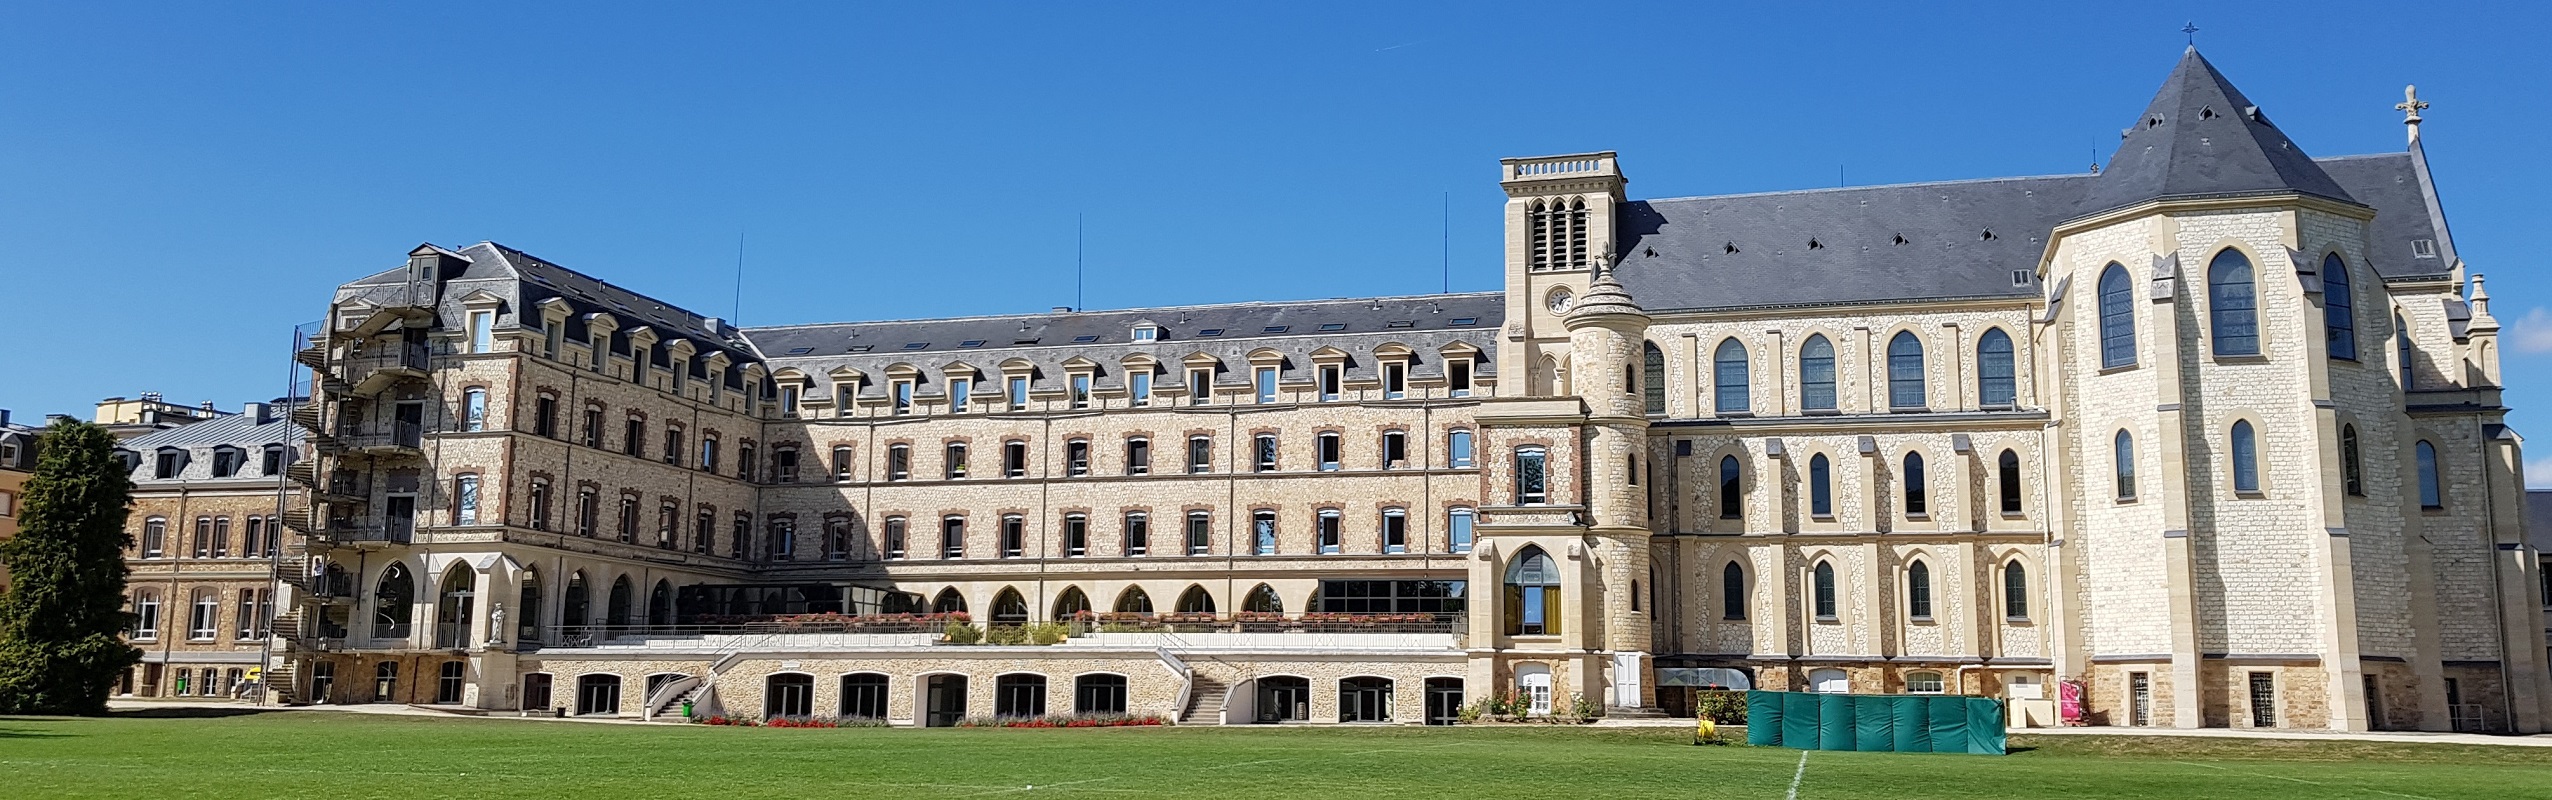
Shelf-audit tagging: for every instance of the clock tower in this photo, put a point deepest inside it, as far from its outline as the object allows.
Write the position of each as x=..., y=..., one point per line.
x=1559, y=231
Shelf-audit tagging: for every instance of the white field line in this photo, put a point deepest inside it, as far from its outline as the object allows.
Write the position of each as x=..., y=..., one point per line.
x=1796, y=776
x=2301, y=780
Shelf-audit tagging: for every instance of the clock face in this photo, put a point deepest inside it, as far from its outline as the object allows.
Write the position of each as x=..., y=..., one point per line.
x=1561, y=301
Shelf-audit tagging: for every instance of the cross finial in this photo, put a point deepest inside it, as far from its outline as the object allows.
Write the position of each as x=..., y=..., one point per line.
x=2410, y=104
x=2192, y=30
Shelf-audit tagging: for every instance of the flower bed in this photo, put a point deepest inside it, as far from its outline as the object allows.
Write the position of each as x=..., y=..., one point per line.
x=790, y=722
x=1067, y=721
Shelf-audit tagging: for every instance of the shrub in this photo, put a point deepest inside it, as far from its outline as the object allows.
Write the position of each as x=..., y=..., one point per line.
x=1583, y=709
x=962, y=632
x=1067, y=721
x=1471, y=713
x=1725, y=708
x=1048, y=633
x=1006, y=634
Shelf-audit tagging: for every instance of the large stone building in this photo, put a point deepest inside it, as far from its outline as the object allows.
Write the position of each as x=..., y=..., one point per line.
x=2212, y=437
x=207, y=537
x=17, y=464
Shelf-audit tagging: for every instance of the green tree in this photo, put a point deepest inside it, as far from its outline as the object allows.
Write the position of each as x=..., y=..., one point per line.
x=62, y=619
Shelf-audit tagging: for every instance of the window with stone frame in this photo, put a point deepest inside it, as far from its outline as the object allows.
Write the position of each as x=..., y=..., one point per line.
x=740, y=538
x=1200, y=454
x=1138, y=456
x=1200, y=532
x=1014, y=459
x=1328, y=451
x=1076, y=457
x=704, y=534
x=842, y=463
x=628, y=518
x=1532, y=482
x=1264, y=452
x=1395, y=449
x=539, y=511
x=1327, y=526
x=837, y=538
x=953, y=460
x=1395, y=530
x=1076, y=535
x=2232, y=305
x=1014, y=535
x=894, y=538
x=634, y=440
x=594, y=427
x=783, y=538
x=1137, y=533
x=952, y=537
x=784, y=464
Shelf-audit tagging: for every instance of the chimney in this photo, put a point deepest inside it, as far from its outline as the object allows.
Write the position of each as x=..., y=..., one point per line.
x=150, y=397
x=207, y=408
x=4, y=416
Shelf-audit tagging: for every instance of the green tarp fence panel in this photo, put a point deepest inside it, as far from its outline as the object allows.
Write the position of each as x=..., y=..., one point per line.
x=1763, y=719
x=1984, y=726
x=1949, y=724
x=1873, y=723
x=1876, y=723
x=1913, y=724
x=1834, y=722
x=1799, y=720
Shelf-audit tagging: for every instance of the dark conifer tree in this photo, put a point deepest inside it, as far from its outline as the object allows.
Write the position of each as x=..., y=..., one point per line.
x=62, y=618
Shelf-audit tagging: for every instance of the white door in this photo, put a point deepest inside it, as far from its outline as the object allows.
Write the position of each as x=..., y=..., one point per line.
x=1535, y=681
x=1626, y=680
x=1829, y=681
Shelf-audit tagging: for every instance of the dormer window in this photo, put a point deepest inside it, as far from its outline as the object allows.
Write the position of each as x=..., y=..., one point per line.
x=1330, y=378
x=1200, y=385
x=1138, y=386
x=1457, y=377
x=1395, y=380
x=1018, y=392
x=960, y=393
x=1146, y=333
x=482, y=331
x=903, y=397
x=788, y=400
x=1080, y=390
x=844, y=394
x=171, y=462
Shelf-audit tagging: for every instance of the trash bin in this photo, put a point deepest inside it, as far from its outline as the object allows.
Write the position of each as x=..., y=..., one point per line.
x=559, y=712
x=686, y=711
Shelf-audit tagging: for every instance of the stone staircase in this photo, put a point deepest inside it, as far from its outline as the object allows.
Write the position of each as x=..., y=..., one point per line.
x=280, y=680
x=1205, y=702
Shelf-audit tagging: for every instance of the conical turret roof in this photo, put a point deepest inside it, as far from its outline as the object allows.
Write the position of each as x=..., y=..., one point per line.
x=2201, y=138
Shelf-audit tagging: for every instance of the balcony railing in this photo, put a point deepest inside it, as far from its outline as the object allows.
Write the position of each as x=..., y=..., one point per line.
x=349, y=531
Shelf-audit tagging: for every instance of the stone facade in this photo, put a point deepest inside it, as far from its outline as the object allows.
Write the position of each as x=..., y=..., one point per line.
x=2039, y=437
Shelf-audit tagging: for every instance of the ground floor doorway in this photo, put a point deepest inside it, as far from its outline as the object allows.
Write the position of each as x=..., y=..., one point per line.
x=943, y=701
x=1284, y=699
x=1444, y=701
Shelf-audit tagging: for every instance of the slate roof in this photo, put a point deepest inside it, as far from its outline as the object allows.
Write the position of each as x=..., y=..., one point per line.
x=1426, y=323
x=233, y=429
x=2201, y=138
x=522, y=281
x=1961, y=240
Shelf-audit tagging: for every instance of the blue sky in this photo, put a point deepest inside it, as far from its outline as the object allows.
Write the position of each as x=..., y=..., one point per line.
x=179, y=184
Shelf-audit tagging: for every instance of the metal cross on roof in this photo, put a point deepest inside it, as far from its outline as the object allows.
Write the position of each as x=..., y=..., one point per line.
x=2410, y=104
x=2192, y=30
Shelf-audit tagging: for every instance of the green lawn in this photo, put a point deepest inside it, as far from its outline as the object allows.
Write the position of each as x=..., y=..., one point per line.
x=306, y=754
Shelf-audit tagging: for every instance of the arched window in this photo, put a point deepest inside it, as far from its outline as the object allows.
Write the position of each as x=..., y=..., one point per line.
x=1532, y=594
x=1918, y=590
x=660, y=604
x=2402, y=349
x=2233, y=304
x=1915, y=502
x=1008, y=608
x=1997, y=383
x=1196, y=601
x=1134, y=601
x=2015, y=590
x=948, y=601
x=2124, y=447
x=2352, y=472
x=2339, y=308
x=1262, y=599
x=2246, y=451
x=616, y=610
x=2008, y=464
x=577, y=611
x=788, y=694
x=527, y=608
x=1824, y=584
x=2117, y=318
x=1071, y=604
x=452, y=608
x=1820, y=487
x=1816, y=374
x=1905, y=371
x=1098, y=693
x=393, y=600
x=2431, y=492
x=864, y=696
x=1458, y=448
x=1732, y=591
x=1728, y=380
x=1652, y=377
x=1731, y=489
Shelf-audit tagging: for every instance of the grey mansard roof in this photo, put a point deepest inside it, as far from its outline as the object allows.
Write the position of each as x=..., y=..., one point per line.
x=1966, y=240
x=1424, y=323
x=522, y=281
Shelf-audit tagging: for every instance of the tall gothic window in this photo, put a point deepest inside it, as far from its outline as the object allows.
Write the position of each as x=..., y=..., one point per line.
x=1732, y=592
x=2009, y=465
x=1905, y=371
x=1532, y=594
x=2402, y=348
x=1918, y=590
x=1996, y=380
x=2431, y=490
x=1728, y=381
x=2117, y=318
x=2233, y=304
x=2125, y=447
x=1820, y=486
x=2015, y=590
x=2352, y=472
x=1816, y=374
x=2339, y=308
x=1915, y=502
x=2246, y=452
x=1652, y=376
x=1824, y=585
x=1731, y=487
